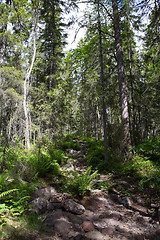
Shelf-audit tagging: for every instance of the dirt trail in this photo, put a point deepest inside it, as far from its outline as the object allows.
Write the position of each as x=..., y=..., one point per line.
x=98, y=216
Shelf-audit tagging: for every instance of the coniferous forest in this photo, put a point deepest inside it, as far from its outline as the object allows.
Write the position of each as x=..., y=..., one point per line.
x=97, y=104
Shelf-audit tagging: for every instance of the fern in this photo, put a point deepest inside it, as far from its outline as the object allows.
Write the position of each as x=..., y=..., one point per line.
x=81, y=183
x=3, y=194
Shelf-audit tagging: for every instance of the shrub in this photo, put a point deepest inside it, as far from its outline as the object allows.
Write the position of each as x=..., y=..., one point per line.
x=80, y=183
x=69, y=145
x=57, y=154
x=43, y=164
x=96, y=156
x=150, y=148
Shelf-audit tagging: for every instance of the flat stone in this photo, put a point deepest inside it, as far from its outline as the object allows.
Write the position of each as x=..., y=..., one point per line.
x=96, y=235
x=62, y=226
x=54, y=216
x=88, y=226
x=115, y=215
x=73, y=207
x=108, y=231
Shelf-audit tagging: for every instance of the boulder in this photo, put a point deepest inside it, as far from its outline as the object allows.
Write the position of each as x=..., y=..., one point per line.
x=73, y=207
x=45, y=192
x=96, y=235
x=87, y=226
x=62, y=226
x=39, y=205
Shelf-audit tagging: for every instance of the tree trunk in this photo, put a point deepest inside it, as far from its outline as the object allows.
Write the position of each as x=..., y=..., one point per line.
x=103, y=87
x=121, y=77
x=26, y=85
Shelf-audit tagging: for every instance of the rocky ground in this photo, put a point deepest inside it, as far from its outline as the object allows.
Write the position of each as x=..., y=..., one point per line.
x=124, y=213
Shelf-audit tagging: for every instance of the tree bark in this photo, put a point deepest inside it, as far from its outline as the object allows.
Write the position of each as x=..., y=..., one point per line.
x=26, y=85
x=103, y=87
x=121, y=77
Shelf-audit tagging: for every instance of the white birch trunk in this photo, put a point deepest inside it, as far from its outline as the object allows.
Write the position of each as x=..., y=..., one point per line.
x=26, y=90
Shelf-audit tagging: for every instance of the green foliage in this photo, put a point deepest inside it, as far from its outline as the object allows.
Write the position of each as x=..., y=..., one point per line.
x=80, y=183
x=96, y=155
x=150, y=148
x=104, y=186
x=43, y=164
x=69, y=143
x=57, y=154
x=7, y=192
x=146, y=170
x=69, y=137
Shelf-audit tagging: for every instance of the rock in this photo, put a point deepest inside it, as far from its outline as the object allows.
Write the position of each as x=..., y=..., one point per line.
x=62, y=226
x=147, y=219
x=39, y=205
x=124, y=238
x=59, y=197
x=115, y=198
x=73, y=235
x=139, y=237
x=115, y=215
x=88, y=226
x=108, y=231
x=126, y=201
x=52, y=217
x=73, y=207
x=68, y=167
x=95, y=235
x=79, y=237
x=154, y=205
x=159, y=214
x=46, y=192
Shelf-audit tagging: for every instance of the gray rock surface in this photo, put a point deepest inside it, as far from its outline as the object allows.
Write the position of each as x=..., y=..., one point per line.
x=73, y=207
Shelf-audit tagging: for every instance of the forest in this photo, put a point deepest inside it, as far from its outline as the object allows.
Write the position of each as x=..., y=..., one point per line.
x=80, y=120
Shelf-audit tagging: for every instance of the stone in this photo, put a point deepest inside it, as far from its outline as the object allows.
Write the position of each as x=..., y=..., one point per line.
x=73, y=207
x=126, y=201
x=39, y=205
x=45, y=192
x=62, y=226
x=72, y=234
x=54, y=216
x=68, y=167
x=88, y=226
x=108, y=231
x=124, y=238
x=115, y=215
x=96, y=235
x=59, y=197
x=139, y=237
x=115, y=198
x=159, y=214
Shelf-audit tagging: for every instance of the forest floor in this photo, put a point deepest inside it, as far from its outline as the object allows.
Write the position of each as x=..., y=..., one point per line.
x=123, y=212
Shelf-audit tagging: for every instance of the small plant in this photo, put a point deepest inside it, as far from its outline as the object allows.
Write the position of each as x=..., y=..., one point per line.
x=3, y=194
x=43, y=164
x=96, y=156
x=104, y=186
x=68, y=142
x=80, y=183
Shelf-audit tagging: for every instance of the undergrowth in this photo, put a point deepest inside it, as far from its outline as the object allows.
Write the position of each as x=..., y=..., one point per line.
x=25, y=170
x=79, y=183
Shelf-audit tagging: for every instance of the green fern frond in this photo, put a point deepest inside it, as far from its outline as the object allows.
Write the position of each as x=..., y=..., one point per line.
x=3, y=194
